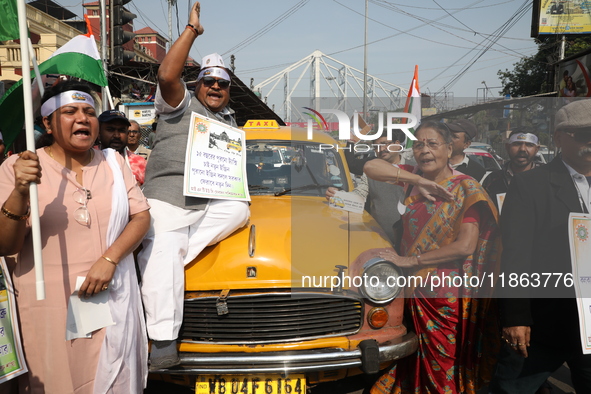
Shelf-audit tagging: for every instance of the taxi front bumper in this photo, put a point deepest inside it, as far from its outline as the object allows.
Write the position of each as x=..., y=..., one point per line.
x=290, y=362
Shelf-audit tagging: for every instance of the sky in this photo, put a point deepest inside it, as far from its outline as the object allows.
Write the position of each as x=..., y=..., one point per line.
x=445, y=38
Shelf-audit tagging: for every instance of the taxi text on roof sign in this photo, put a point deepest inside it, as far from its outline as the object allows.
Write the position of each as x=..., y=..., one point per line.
x=261, y=124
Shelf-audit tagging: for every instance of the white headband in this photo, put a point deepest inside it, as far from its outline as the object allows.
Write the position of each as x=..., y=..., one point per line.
x=524, y=137
x=65, y=98
x=214, y=72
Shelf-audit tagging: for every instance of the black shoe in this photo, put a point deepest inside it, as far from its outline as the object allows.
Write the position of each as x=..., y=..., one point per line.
x=163, y=355
x=158, y=363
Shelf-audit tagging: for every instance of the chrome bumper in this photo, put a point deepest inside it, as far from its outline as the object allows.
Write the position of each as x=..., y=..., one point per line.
x=286, y=362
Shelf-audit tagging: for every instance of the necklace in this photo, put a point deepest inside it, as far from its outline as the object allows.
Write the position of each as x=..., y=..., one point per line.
x=49, y=151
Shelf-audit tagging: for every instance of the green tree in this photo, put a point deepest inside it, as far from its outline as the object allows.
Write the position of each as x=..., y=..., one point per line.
x=534, y=74
x=577, y=45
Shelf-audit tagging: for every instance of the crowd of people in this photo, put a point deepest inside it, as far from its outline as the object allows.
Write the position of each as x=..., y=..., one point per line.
x=93, y=215
x=469, y=338
x=440, y=220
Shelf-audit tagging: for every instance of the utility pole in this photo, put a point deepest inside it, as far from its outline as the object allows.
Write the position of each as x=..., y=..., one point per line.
x=562, y=48
x=365, y=65
x=170, y=4
x=561, y=54
x=104, y=48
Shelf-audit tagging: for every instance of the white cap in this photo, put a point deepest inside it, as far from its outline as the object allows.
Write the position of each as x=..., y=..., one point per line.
x=214, y=72
x=212, y=60
x=524, y=137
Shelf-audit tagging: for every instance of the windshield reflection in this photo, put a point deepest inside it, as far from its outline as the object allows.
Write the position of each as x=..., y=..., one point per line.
x=293, y=168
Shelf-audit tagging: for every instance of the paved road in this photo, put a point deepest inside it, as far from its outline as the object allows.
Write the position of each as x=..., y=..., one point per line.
x=354, y=385
x=560, y=382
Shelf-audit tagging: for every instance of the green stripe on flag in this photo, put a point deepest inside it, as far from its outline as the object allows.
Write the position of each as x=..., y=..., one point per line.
x=76, y=65
x=70, y=63
x=8, y=20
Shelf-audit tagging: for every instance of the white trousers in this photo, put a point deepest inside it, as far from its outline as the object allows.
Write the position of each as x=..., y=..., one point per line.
x=165, y=254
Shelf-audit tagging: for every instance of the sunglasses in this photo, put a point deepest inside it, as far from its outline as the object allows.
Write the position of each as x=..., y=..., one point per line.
x=82, y=216
x=210, y=81
x=582, y=136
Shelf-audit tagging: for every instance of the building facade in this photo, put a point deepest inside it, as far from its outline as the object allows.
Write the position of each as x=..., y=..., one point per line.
x=47, y=35
x=153, y=42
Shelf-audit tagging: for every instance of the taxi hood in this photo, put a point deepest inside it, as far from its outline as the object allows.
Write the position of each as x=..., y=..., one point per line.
x=289, y=238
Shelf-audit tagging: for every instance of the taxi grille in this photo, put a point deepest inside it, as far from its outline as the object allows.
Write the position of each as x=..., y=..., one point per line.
x=261, y=318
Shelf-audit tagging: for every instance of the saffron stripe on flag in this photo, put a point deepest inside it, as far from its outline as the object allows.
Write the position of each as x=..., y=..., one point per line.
x=413, y=103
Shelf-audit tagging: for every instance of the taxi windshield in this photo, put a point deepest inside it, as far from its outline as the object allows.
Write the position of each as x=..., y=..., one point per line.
x=293, y=168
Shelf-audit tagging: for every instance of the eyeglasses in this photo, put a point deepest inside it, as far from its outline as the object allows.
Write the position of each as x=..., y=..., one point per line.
x=210, y=81
x=582, y=136
x=431, y=145
x=383, y=146
x=82, y=216
x=133, y=131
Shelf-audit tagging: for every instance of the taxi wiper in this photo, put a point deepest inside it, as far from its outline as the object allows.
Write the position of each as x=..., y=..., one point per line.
x=257, y=187
x=301, y=188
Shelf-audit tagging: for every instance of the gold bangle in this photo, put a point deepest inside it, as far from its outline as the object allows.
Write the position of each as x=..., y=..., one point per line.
x=110, y=261
x=14, y=216
x=397, y=175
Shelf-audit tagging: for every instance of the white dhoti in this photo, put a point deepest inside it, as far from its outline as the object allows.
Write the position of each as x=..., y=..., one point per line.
x=175, y=238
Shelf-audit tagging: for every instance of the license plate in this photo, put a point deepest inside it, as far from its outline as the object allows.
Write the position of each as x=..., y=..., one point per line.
x=251, y=384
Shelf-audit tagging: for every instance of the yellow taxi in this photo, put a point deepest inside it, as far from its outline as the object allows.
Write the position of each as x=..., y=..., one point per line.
x=234, y=145
x=300, y=295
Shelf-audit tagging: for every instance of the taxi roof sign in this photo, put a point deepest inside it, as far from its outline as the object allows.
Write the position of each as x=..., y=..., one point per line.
x=261, y=124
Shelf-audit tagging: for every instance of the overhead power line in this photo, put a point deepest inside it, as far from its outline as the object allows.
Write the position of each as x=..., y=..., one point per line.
x=521, y=11
x=397, y=34
x=264, y=30
x=414, y=7
x=407, y=32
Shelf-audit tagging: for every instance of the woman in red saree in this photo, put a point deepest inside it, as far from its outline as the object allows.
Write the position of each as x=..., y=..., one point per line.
x=456, y=239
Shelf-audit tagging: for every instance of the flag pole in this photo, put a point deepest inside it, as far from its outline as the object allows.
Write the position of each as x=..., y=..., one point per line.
x=109, y=97
x=410, y=106
x=36, y=67
x=28, y=104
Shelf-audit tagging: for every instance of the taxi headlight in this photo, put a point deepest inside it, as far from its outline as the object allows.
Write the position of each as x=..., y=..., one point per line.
x=380, y=281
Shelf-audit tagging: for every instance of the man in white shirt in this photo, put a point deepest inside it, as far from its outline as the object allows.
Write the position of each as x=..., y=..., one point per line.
x=182, y=226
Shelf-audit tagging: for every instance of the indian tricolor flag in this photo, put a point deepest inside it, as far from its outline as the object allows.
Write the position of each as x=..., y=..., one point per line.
x=413, y=102
x=78, y=58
